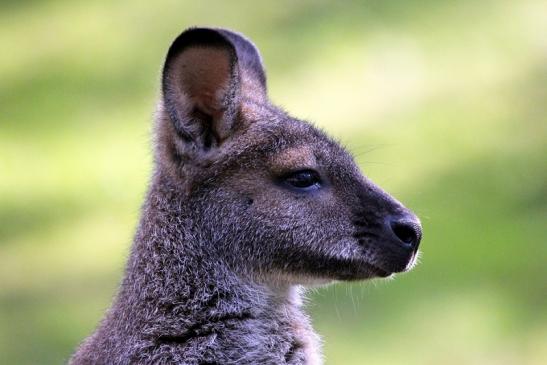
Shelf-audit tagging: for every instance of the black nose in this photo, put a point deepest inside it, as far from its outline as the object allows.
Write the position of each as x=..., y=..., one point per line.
x=408, y=231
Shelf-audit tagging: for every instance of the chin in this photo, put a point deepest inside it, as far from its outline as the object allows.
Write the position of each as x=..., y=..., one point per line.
x=364, y=269
x=312, y=269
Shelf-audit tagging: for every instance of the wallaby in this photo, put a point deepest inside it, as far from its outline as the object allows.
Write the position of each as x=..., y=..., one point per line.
x=246, y=206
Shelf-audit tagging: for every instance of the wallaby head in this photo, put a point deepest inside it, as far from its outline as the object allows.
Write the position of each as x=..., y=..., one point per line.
x=273, y=196
x=246, y=203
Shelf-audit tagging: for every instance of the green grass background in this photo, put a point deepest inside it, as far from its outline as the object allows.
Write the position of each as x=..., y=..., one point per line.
x=444, y=104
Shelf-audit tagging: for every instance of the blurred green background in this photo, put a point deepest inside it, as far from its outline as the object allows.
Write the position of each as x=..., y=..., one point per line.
x=444, y=104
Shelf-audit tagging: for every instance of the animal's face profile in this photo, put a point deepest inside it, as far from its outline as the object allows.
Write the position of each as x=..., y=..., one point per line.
x=270, y=193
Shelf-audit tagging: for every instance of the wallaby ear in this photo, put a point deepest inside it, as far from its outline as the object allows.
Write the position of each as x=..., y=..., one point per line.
x=206, y=77
x=253, y=75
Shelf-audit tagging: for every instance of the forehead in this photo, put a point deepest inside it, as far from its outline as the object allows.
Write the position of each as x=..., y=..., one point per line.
x=301, y=157
x=289, y=143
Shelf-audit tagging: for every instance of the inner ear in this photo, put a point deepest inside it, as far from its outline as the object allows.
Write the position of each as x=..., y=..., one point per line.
x=203, y=75
x=201, y=86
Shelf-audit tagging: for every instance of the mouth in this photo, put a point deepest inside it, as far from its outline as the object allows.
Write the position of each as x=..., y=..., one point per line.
x=389, y=264
x=413, y=261
x=378, y=272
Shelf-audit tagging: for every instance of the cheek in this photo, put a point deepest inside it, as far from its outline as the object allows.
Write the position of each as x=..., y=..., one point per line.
x=273, y=207
x=279, y=205
x=316, y=217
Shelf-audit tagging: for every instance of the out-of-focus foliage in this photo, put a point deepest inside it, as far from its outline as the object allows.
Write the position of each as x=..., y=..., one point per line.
x=444, y=104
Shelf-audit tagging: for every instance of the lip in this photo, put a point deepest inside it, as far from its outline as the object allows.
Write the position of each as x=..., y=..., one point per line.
x=413, y=261
x=378, y=271
x=390, y=261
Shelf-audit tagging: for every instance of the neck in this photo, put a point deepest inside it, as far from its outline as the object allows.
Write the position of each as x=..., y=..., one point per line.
x=175, y=294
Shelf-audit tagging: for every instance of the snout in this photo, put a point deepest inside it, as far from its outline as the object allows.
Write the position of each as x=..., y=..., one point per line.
x=389, y=233
x=406, y=230
x=402, y=234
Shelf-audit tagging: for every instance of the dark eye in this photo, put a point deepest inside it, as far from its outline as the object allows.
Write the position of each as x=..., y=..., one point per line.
x=303, y=180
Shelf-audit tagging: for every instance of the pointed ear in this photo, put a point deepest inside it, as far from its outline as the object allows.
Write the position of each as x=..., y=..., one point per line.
x=253, y=75
x=208, y=74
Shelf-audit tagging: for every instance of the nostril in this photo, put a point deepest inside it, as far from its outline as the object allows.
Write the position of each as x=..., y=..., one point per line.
x=408, y=232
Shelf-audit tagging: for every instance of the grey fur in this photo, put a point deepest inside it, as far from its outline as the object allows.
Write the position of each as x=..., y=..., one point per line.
x=224, y=246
